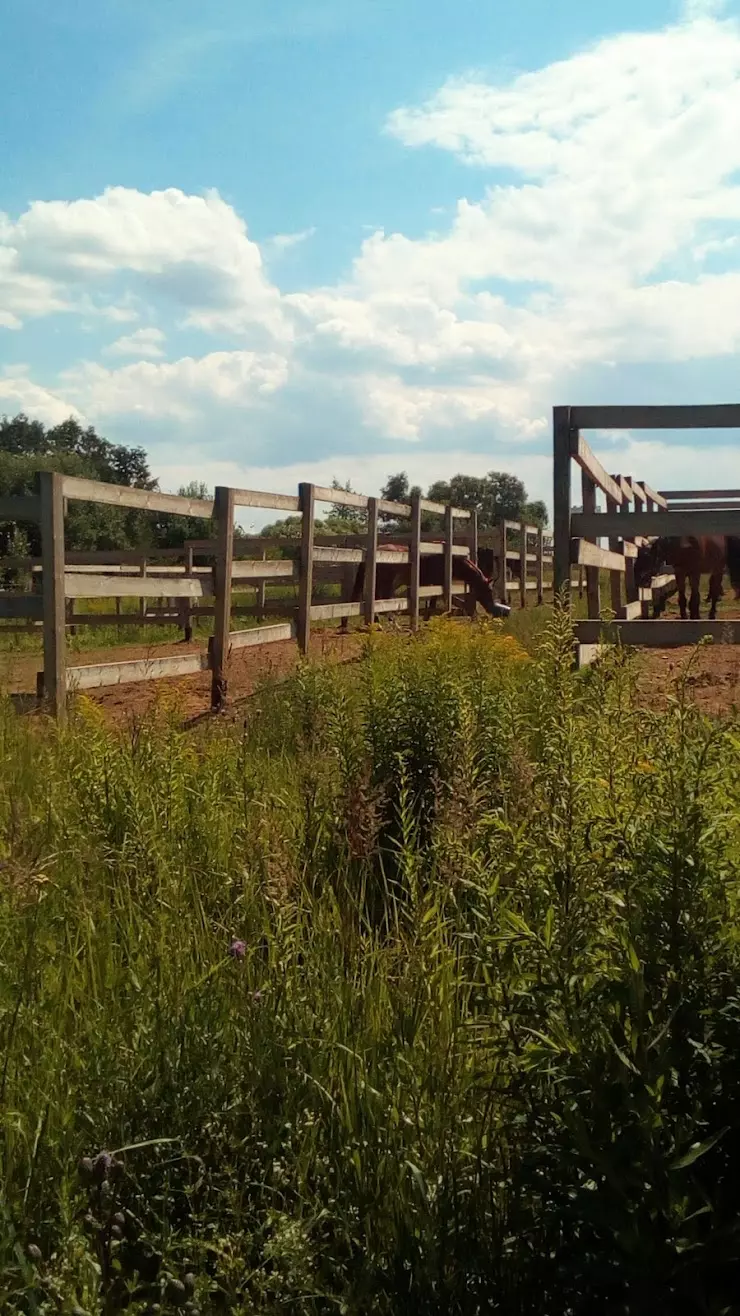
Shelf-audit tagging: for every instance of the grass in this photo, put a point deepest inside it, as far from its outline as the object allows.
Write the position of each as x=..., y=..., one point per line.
x=417, y=992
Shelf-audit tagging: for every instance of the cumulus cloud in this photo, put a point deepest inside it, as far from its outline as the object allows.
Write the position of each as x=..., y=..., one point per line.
x=194, y=250
x=142, y=343
x=18, y=392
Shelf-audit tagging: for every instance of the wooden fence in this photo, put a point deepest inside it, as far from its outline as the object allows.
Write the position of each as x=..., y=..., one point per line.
x=633, y=515
x=174, y=587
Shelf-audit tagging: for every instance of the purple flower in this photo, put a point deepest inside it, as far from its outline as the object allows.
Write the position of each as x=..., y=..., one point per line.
x=237, y=949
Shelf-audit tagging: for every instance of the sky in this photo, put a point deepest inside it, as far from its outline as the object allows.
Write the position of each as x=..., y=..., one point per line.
x=273, y=241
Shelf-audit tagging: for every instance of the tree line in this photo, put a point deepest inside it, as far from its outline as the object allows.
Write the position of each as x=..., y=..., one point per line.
x=27, y=447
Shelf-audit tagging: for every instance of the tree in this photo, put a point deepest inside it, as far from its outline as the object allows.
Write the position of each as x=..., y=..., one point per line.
x=496, y=497
x=340, y=515
x=27, y=447
x=170, y=530
x=536, y=513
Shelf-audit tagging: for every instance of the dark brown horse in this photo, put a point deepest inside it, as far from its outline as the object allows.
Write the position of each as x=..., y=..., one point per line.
x=389, y=575
x=691, y=557
x=489, y=564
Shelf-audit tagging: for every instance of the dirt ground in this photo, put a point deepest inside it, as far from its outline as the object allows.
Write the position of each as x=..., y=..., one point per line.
x=713, y=673
x=248, y=668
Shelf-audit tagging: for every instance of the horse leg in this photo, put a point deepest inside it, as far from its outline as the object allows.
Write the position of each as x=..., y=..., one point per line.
x=681, y=584
x=695, y=600
x=715, y=593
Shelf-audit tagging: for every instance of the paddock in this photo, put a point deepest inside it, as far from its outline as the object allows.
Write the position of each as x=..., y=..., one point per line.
x=632, y=515
x=205, y=579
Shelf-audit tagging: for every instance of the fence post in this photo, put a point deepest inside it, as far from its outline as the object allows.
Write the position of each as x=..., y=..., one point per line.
x=631, y=591
x=447, y=578
x=371, y=560
x=186, y=620
x=307, y=499
x=414, y=560
x=540, y=565
x=593, y=594
x=522, y=564
x=223, y=510
x=52, y=558
x=615, y=577
x=503, y=561
x=262, y=591
x=474, y=536
x=561, y=502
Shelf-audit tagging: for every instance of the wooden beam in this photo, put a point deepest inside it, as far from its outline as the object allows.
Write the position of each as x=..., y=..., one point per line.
x=673, y=523
x=473, y=536
x=630, y=611
x=638, y=493
x=431, y=591
x=20, y=508
x=262, y=635
x=145, y=500
x=700, y=493
x=447, y=564
x=276, y=569
x=709, y=505
x=22, y=605
x=586, y=554
x=253, y=498
x=562, y=427
x=540, y=566
x=329, y=611
x=414, y=560
x=615, y=578
x=307, y=495
x=371, y=560
x=586, y=654
x=655, y=497
x=224, y=517
x=658, y=634
x=95, y=675
x=79, y=586
x=720, y=416
x=593, y=596
x=52, y=557
x=581, y=453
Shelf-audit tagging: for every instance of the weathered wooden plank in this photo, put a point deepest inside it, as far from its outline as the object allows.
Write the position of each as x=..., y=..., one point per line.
x=52, y=558
x=223, y=510
x=414, y=561
x=593, y=594
x=638, y=493
x=431, y=591
x=278, y=569
x=78, y=586
x=700, y=493
x=586, y=554
x=590, y=464
x=562, y=427
x=95, y=675
x=164, y=618
x=22, y=605
x=432, y=550
x=514, y=586
x=328, y=611
x=540, y=555
x=660, y=634
x=630, y=611
x=258, y=635
x=586, y=654
x=20, y=509
x=447, y=563
x=707, y=506
x=117, y=495
x=392, y=605
x=651, y=494
x=371, y=561
x=254, y=498
x=307, y=495
x=673, y=523
x=713, y=416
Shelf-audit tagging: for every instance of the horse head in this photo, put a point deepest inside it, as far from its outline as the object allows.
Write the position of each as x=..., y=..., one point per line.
x=647, y=562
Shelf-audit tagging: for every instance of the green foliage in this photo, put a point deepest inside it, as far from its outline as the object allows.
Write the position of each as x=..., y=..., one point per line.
x=418, y=992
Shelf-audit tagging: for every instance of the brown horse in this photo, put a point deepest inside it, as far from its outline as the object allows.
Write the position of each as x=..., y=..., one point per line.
x=690, y=557
x=389, y=575
x=489, y=564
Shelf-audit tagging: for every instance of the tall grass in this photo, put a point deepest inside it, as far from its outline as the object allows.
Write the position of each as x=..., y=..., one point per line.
x=418, y=991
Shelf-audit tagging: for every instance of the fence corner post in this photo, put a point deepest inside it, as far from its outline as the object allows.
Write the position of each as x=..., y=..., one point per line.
x=307, y=499
x=223, y=510
x=52, y=558
x=371, y=561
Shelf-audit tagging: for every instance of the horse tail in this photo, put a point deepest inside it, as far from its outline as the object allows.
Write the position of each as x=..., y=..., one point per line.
x=733, y=563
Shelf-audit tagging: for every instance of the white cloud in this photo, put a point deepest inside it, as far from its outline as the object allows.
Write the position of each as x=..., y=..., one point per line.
x=143, y=343
x=182, y=389
x=284, y=241
x=19, y=393
x=697, y=9
x=193, y=250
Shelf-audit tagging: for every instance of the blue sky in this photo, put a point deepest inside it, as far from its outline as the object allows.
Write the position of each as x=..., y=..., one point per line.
x=273, y=241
